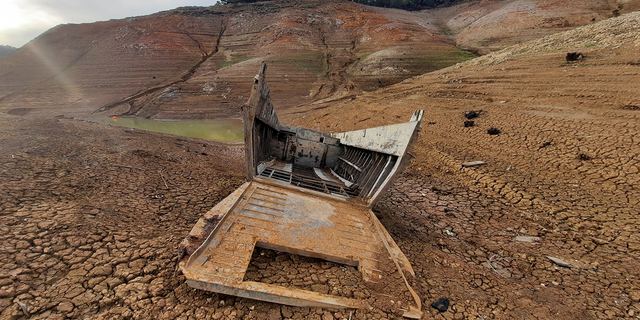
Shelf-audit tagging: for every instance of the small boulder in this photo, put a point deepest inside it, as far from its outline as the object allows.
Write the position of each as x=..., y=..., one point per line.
x=573, y=56
x=441, y=305
x=493, y=131
x=471, y=114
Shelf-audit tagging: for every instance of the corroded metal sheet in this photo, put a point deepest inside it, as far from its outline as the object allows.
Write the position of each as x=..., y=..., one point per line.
x=284, y=219
x=392, y=139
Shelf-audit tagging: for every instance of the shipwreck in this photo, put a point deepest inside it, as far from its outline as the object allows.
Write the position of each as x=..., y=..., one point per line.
x=308, y=193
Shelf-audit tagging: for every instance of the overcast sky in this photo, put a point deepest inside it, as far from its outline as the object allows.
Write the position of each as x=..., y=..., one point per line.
x=23, y=20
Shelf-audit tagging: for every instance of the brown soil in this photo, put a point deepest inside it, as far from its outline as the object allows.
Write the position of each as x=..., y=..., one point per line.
x=564, y=168
x=197, y=62
x=317, y=275
x=491, y=25
x=90, y=215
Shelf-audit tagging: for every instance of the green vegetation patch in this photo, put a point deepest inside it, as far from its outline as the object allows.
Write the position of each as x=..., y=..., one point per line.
x=313, y=62
x=464, y=55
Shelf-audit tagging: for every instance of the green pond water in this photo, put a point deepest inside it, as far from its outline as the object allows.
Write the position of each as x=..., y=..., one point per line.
x=228, y=130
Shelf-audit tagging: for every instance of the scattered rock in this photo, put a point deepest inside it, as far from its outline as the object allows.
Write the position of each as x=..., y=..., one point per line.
x=584, y=157
x=493, y=131
x=544, y=145
x=469, y=123
x=471, y=114
x=574, y=56
x=441, y=305
x=528, y=239
x=471, y=164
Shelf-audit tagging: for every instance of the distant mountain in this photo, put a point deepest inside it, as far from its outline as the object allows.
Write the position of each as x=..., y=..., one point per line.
x=5, y=50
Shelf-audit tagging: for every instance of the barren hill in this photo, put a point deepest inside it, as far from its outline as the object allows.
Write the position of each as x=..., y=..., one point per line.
x=197, y=62
x=490, y=25
x=5, y=50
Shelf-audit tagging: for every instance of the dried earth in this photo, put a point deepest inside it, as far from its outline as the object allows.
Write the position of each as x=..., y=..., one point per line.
x=564, y=169
x=194, y=62
x=91, y=215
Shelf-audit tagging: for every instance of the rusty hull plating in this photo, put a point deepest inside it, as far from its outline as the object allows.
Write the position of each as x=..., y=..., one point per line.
x=308, y=193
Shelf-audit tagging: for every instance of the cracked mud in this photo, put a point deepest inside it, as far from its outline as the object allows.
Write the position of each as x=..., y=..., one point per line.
x=90, y=215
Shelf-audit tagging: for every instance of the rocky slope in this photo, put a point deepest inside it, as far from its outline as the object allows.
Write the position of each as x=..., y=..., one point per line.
x=490, y=25
x=198, y=62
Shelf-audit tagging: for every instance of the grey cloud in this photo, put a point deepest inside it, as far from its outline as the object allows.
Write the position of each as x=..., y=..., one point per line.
x=80, y=11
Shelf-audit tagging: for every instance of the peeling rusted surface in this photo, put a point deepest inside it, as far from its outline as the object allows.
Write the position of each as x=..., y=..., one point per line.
x=308, y=193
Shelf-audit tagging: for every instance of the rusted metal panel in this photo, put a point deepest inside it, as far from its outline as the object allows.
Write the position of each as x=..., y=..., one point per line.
x=281, y=218
x=310, y=153
x=308, y=193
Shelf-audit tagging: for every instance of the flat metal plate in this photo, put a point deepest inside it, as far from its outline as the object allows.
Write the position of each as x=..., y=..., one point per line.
x=287, y=220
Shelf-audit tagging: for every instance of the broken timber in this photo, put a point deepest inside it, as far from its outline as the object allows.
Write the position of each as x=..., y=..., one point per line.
x=308, y=193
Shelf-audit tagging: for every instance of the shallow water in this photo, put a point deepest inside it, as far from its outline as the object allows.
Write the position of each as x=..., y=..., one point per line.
x=227, y=130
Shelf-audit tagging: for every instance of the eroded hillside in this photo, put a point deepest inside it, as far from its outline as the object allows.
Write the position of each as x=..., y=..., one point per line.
x=565, y=158
x=491, y=25
x=198, y=62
